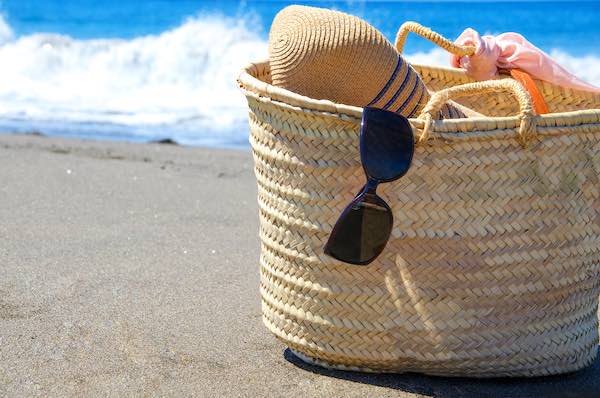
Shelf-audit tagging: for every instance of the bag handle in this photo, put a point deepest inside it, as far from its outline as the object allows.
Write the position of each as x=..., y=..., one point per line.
x=432, y=36
x=537, y=99
x=527, y=116
x=539, y=103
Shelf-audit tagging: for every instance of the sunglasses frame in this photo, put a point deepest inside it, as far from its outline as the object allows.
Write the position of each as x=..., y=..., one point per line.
x=370, y=188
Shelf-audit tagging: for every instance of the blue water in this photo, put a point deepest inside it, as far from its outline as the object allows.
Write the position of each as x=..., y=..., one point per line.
x=142, y=70
x=569, y=25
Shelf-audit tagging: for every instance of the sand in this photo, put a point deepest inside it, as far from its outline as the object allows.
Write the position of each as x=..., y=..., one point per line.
x=132, y=270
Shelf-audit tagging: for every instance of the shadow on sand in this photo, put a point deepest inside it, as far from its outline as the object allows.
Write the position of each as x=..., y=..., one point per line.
x=582, y=384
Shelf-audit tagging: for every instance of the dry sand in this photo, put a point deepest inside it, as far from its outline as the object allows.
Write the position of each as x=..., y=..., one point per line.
x=131, y=270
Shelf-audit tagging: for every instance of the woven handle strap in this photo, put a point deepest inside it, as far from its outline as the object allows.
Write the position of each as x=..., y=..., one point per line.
x=432, y=36
x=526, y=115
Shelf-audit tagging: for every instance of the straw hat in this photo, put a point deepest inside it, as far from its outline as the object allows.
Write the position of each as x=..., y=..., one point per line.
x=325, y=54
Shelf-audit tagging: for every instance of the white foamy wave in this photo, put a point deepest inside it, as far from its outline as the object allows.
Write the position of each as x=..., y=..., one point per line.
x=179, y=84
x=437, y=57
x=6, y=32
x=585, y=67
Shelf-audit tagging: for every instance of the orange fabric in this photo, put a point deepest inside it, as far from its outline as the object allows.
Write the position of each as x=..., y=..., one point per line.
x=539, y=104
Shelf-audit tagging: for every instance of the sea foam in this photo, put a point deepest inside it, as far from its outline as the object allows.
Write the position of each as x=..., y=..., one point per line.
x=179, y=84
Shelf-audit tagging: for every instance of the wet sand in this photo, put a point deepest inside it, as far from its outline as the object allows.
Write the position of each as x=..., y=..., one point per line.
x=132, y=270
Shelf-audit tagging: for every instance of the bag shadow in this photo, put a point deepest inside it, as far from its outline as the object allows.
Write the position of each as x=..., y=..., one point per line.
x=581, y=384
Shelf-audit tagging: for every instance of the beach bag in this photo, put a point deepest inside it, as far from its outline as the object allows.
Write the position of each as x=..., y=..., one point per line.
x=492, y=266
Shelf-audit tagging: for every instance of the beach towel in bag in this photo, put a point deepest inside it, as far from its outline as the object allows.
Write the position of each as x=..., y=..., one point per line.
x=492, y=267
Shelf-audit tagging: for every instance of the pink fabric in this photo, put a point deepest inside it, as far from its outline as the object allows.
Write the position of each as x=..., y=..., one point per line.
x=512, y=51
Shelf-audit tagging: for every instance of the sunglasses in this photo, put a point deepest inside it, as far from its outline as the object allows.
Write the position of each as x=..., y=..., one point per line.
x=386, y=151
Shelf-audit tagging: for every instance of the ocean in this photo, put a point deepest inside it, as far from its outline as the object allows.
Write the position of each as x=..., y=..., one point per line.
x=140, y=70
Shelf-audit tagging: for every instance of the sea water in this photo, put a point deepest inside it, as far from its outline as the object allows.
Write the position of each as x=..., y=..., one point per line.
x=147, y=70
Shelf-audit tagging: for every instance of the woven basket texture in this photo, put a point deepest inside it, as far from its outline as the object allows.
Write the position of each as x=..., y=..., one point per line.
x=492, y=268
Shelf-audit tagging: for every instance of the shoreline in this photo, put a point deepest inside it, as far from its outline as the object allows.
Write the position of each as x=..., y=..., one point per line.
x=125, y=140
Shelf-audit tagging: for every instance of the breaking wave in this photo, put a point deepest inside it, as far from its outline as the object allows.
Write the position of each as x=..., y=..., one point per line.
x=179, y=84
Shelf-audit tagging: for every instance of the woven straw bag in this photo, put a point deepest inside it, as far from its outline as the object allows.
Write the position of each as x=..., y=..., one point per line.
x=492, y=267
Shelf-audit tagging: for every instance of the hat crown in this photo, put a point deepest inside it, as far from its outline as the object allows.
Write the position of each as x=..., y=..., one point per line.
x=327, y=54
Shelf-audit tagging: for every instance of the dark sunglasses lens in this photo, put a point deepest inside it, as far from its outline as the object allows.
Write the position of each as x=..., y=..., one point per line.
x=386, y=144
x=362, y=231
